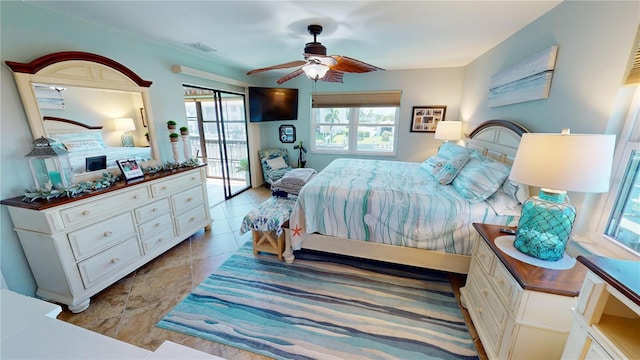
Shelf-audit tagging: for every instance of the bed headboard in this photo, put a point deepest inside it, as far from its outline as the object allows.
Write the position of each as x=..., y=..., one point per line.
x=497, y=139
x=56, y=125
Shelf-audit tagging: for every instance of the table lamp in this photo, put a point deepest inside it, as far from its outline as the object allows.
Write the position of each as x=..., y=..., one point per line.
x=557, y=163
x=126, y=125
x=448, y=130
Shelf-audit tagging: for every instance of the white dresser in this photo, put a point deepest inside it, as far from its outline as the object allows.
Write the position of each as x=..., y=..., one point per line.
x=520, y=311
x=606, y=321
x=77, y=247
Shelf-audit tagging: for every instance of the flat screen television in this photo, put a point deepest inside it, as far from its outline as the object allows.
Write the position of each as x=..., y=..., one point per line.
x=272, y=104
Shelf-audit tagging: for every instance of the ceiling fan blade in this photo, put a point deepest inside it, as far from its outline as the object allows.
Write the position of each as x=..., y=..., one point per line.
x=333, y=76
x=280, y=66
x=290, y=76
x=347, y=64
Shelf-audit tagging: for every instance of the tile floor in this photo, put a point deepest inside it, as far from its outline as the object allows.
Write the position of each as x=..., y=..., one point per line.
x=129, y=309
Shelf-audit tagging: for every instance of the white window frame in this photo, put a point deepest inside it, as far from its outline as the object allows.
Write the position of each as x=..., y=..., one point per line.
x=353, y=134
x=629, y=141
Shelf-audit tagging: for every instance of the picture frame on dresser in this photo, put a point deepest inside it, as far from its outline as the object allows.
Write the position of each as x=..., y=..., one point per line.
x=130, y=169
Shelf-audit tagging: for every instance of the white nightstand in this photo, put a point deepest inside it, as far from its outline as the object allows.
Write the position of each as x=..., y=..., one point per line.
x=520, y=311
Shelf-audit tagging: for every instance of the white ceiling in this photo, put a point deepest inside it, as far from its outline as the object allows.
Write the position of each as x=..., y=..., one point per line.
x=252, y=34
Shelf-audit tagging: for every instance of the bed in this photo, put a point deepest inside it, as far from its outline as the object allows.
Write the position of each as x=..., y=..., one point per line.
x=83, y=141
x=401, y=212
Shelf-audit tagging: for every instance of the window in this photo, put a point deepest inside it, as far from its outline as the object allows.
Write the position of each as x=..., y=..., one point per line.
x=355, y=123
x=621, y=214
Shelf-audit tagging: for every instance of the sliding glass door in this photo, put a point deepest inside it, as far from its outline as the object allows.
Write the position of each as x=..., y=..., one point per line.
x=217, y=120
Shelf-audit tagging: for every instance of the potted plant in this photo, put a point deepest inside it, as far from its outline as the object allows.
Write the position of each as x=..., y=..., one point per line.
x=173, y=137
x=184, y=130
x=146, y=135
x=171, y=125
x=243, y=166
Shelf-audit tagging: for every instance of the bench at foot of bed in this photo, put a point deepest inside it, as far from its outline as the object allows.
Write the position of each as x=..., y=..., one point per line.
x=266, y=221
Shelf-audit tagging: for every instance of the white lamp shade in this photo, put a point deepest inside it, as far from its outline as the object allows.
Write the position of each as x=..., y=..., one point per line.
x=448, y=130
x=125, y=124
x=570, y=162
x=315, y=71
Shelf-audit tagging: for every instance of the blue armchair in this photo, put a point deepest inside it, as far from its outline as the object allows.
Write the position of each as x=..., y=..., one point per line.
x=275, y=163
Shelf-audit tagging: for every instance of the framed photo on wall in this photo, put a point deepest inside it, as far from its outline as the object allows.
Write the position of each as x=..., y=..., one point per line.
x=426, y=118
x=130, y=169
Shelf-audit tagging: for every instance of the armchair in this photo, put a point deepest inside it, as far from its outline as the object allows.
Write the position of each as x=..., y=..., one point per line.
x=275, y=163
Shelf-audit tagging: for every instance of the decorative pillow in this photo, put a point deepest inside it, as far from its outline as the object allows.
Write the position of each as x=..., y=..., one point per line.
x=456, y=156
x=82, y=145
x=276, y=163
x=504, y=204
x=480, y=177
x=433, y=164
x=87, y=135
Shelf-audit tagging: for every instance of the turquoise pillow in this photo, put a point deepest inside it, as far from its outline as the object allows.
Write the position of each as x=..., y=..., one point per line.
x=480, y=177
x=448, y=162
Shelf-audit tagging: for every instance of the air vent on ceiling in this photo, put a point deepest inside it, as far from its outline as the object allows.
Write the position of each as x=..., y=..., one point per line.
x=201, y=47
x=633, y=69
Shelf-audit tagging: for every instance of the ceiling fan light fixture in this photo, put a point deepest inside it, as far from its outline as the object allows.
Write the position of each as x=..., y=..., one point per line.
x=315, y=71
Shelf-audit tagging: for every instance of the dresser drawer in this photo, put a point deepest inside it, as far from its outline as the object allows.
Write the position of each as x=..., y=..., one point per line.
x=161, y=223
x=108, y=262
x=156, y=240
x=187, y=199
x=507, y=287
x=484, y=317
x=489, y=296
x=100, y=236
x=167, y=187
x=150, y=211
x=95, y=210
x=190, y=219
x=484, y=256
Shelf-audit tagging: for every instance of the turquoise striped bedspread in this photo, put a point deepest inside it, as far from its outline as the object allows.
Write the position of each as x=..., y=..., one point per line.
x=389, y=202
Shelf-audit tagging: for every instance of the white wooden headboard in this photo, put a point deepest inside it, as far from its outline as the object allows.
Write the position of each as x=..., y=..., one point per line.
x=497, y=139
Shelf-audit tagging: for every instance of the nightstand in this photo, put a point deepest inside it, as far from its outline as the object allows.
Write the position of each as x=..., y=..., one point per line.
x=520, y=311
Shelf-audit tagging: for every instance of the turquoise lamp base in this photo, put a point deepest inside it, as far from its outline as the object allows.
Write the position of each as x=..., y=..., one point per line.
x=545, y=225
x=127, y=140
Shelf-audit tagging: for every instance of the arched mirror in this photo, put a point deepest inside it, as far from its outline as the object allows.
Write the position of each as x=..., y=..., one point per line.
x=94, y=106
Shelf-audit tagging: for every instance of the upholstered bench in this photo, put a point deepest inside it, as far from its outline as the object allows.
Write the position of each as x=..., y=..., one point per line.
x=266, y=222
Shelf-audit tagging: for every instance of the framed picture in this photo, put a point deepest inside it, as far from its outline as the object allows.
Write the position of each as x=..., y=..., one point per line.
x=425, y=118
x=287, y=134
x=130, y=169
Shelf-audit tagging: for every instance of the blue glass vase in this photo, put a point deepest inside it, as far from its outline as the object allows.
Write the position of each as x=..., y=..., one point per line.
x=545, y=226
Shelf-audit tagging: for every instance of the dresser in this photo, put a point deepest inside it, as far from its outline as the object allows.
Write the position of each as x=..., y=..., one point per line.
x=520, y=311
x=606, y=322
x=78, y=247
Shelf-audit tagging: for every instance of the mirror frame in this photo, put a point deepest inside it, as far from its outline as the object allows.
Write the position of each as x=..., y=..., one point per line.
x=82, y=69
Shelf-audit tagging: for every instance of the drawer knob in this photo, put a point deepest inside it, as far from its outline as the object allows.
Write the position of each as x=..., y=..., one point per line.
x=86, y=212
x=164, y=187
x=136, y=196
x=193, y=178
x=479, y=310
x=115, y=260
x=108, y=233
x=501, y=281
x=156, y=224
x=484, y=291
x=154, y=209
x=189, y=199
x=160, y=240
x=193, y=218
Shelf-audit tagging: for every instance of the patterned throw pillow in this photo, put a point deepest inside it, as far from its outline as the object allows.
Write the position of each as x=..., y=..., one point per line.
x=276, y=163
x=480, y=177
x=447, y=163
x=82, y=145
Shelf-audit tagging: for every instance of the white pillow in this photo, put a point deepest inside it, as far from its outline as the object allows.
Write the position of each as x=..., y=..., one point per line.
x=504, y=204
x=277, y=163
x=82, y=145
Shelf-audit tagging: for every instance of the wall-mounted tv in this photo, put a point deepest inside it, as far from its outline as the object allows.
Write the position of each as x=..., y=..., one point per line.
x=272, y=104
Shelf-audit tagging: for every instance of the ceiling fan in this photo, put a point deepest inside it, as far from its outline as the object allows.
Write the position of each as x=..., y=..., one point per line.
x=317, y=65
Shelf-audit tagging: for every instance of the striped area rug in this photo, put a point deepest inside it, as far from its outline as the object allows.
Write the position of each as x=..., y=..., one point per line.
x=317, y=308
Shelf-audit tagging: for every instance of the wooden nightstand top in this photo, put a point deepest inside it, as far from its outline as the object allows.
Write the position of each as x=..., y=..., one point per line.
x=560, y=282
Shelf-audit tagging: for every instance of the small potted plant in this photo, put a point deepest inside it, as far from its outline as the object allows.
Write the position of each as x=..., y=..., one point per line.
x=171, y=125
x=146, y=135
x=184, y=130
x=173, y=137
